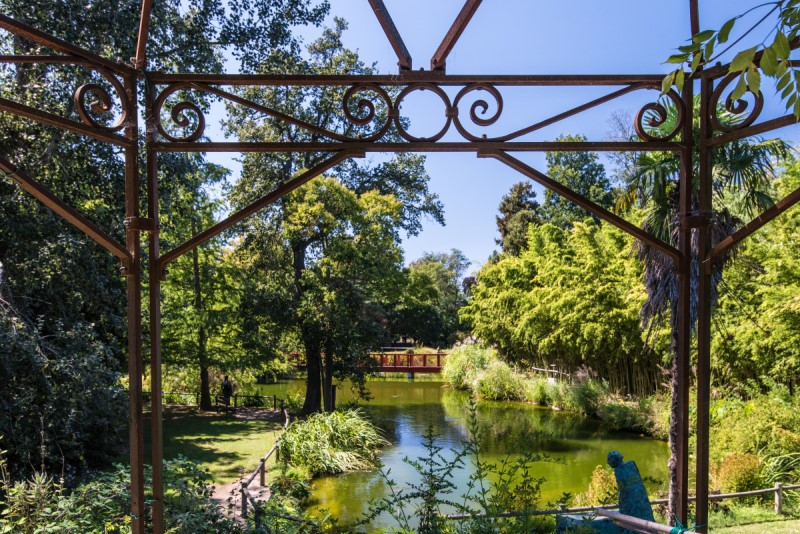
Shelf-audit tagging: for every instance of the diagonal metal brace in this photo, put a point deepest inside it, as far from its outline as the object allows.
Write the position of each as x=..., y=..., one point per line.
x=386, y=22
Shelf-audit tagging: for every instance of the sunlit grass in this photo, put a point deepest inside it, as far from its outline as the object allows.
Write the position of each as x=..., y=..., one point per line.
x=224, y=446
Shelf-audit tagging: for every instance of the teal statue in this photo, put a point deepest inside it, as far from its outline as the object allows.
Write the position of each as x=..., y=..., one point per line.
x=633, y=501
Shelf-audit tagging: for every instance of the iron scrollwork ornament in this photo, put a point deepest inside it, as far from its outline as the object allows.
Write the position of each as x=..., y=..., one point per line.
x=735, y=108
x=103, y=102
x=654, y=115
x=180, y=115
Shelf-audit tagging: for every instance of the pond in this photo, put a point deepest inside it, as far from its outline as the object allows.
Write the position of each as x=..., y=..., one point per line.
x=406, y=409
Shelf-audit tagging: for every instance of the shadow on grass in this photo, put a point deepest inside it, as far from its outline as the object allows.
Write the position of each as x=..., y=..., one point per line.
x=225, y=446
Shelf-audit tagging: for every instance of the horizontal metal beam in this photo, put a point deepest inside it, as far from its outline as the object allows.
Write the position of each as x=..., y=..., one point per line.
x=439, y=59
x=51, y=119
x=68, y=213
x=748, y=229
x=58, y=45
x=386, y=22
x=404, y=78
x=423, y=146
x=254, y=207
x=582, y=201
x=755, y=129
x=55, y=59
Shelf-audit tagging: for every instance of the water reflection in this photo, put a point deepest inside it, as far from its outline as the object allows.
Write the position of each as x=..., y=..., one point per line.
x=404, y=410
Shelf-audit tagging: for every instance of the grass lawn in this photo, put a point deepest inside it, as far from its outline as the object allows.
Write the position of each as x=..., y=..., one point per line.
x=751, y=519
x=224, y=446
x=791, y=526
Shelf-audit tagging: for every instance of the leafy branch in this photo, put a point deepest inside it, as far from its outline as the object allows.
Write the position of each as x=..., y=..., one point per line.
x=770, y=60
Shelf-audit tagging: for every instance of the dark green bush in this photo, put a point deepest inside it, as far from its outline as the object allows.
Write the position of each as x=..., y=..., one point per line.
x=61, y=402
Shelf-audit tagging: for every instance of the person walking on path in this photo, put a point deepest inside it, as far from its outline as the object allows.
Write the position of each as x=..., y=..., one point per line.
x=227, y=392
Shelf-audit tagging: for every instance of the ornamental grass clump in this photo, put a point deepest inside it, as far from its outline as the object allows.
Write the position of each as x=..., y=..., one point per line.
x=500, y=382
x=331, y=443
x=463, y=365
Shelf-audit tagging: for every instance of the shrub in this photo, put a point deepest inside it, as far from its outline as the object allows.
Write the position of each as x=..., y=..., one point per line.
x=61, y=403
x=500, y=382
x=581, y=397
x=539, y=391
x=330, y=443
x=463, y=364
x=602, y=488
x=625, y=415
x=102, y=504
x=740, y=472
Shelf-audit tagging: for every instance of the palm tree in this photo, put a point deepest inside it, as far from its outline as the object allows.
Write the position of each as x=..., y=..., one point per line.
x=742, y=175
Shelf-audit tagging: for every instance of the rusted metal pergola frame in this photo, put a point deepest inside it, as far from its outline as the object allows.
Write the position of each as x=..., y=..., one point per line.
x=125, y=79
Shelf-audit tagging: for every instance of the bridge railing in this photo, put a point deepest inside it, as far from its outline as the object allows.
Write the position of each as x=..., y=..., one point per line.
x=399, y=360
x=409, y=360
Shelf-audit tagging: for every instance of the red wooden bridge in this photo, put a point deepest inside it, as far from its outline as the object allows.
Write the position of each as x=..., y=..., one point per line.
x=397, y=362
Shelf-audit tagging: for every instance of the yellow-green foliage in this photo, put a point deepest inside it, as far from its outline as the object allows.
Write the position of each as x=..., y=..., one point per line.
x=767, y=425
x=602, y=489
x=739, y=472
x=330, y=443
x=500, y=382
x=464, y=363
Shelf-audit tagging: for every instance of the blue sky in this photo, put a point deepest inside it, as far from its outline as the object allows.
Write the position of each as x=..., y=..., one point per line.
x=522, y=37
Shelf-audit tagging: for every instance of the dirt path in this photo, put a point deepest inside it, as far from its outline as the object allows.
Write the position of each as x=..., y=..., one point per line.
x=230, y=494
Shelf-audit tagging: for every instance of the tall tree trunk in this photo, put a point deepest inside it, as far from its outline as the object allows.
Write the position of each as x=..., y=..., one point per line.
x=313, y=375
x=309, y=334
x=327, y=379
x=674, y=415
x=202, y=354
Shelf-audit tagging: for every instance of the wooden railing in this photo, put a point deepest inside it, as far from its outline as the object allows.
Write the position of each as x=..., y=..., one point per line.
x=604, y=510
x=257, y=401
x=430, y=362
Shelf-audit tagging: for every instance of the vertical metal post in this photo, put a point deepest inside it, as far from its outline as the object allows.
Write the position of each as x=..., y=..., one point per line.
x=704, y=311
x=155, y=275
x=132, y=273
x=684, y=319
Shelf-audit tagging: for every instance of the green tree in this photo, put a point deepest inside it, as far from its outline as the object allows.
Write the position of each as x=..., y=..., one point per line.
x=583, y=173
x=757, y=325
x=432, y=294
x=518, y=210
x=741, y=175
x=333, y=299
x=62, y=282
x=403, y=177
x=200, y=293
x=572, y=299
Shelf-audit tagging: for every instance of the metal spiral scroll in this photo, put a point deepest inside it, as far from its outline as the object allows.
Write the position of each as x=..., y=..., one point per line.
x=658, y=117
x=737, y=108
x=435, y=89
x=103, y=103
x=179, y=115
x=477, y=109
x=366, y=110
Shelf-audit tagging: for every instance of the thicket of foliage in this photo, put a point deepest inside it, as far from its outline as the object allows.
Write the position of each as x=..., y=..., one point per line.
x=102, y=505
x=571, y=298
x=62, y=407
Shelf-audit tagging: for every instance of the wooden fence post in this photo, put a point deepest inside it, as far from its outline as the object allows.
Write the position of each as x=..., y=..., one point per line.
x=778, y=498
x=263, y=473
x=244, y=501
